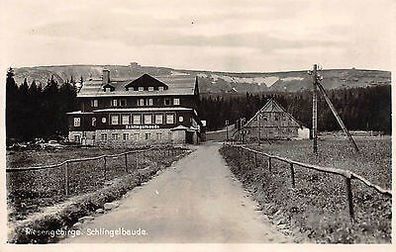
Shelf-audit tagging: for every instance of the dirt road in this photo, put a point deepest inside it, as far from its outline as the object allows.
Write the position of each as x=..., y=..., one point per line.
x=196, y=200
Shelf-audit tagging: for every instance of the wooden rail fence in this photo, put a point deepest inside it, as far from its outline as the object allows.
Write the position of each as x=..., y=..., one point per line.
x=166, y=152
x=347, y=175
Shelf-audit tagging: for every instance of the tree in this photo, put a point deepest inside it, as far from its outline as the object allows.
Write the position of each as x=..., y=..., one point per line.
x=12, y=104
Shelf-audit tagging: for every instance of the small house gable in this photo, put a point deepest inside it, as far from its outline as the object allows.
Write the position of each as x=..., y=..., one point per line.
x=145, y=82
x=272, y=122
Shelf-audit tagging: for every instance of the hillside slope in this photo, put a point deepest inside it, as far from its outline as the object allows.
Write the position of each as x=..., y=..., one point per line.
x=213, y=82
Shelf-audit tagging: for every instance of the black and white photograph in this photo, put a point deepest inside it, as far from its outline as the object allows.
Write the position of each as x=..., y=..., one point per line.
x=183, y=122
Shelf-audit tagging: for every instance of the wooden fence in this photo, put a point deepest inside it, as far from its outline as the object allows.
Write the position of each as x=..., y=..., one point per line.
x=347, y=175
x=165, y=152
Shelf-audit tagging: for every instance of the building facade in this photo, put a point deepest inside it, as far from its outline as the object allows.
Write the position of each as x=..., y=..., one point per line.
x=272, y=122
x=145, y=110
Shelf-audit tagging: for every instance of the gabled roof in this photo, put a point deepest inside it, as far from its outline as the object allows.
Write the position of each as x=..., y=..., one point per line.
x=145, y=81
x=177, y=85
x=272, y=106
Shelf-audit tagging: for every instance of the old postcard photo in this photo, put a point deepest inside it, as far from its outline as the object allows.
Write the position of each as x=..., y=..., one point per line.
x=197, y=122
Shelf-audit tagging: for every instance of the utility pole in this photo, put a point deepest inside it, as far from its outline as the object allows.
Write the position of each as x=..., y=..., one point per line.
x=317, y=86
x=226, y=123
x=259, y=127
x=314, y=73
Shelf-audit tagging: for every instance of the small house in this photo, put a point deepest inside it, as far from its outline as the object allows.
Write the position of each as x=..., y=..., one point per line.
x=273, y=122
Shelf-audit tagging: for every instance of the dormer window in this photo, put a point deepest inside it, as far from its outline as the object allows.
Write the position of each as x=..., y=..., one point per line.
x=108, y=88
x=141, y=89
x=150, y=89
x=160, y=88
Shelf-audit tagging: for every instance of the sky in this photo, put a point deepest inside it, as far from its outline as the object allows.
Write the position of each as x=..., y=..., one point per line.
x=232, y=35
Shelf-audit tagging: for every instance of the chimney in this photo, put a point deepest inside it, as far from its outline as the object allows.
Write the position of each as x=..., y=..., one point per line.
x=106, y=76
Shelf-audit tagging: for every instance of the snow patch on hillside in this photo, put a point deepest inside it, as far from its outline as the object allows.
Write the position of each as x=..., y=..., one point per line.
x=202, y=75
x=268, y=81
x=176, y=73
x=292, y=79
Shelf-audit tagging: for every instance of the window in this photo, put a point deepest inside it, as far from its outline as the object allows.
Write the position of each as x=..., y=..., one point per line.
x=147, y=136
x=167, y=102
x=123, y=103
x=93, y=121
x=77, y=122
x=77, y=138
x=149, y=102
x=103, y=137
x=94, y=103
x=159, y=119
x=125, y=119
x=104, y=119
x=114, y=103
x=136, y=119
x=160, y=88
x=93, y=137
x=114, y=136
x=114, y=119
x=141, y=102
x=150, y=88
x=170, y=119
x=176, y=101
x=125, y=136
x=136, y=136
x=181, y=118
x=147, y=119
x=141, y=88
x=159, y=136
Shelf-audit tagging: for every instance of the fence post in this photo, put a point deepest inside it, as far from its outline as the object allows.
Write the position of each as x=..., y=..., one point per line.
x=349, y=196
x=137, y=160
x=292, y=175
x=105, y=167
x=67, y=179
x=269, y=163
x=126, y=162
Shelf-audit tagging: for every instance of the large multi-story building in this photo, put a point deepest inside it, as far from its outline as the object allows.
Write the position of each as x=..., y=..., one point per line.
x=145, y=110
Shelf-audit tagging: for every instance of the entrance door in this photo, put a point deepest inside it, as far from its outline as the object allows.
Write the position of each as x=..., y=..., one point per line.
x=190, y=137
x=77, y=138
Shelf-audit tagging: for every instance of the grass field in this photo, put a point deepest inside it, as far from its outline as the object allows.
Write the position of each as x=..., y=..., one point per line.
x=28, y=191
x=372, y=162
x=317, y=206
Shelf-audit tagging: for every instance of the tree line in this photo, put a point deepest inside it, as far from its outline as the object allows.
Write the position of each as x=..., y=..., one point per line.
x=33, y=111
x=366, y=108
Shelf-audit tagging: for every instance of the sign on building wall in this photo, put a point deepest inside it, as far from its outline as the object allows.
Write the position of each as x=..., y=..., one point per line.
x=142, y=127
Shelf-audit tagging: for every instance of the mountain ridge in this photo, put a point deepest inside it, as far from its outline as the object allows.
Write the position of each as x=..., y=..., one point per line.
x=213, y=82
